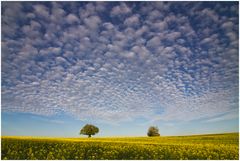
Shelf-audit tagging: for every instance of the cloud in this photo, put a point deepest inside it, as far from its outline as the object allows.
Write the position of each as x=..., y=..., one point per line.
x=173, y=36
x=224, y=117
x=132, y=21
x=41, y=11
x=155, y=14
x=227, y=25
x=55, y=121
x=128, y=54
x=154, y=42
x=210, y=13
x=50, y=51
x=206, y=40
x=108, y=25
x=116, y=62
x=71, y=18
x=232, y=36
x=121, y=9
x=160, y=26
x=168, y=51
x=92, y=22
x=142, y=51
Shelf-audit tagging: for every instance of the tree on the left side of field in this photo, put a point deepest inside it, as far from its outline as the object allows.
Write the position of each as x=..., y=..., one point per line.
x=89, y=130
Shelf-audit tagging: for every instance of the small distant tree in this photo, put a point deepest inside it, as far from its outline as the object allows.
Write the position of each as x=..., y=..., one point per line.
x=89, y=130
x=153, y=131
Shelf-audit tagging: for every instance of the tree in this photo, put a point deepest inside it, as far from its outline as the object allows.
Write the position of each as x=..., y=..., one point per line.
x=89, y=130
x=153, y=131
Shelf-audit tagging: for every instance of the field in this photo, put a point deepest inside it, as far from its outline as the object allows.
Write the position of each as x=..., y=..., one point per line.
x=217, y=146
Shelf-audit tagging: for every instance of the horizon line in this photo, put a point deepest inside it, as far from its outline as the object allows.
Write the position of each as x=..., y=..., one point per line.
x=129, y=136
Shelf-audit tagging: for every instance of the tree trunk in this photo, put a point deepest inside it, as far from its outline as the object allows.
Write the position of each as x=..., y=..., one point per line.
x=89, y=136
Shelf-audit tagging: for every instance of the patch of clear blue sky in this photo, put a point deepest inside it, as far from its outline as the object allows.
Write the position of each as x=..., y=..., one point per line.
x=64, y=126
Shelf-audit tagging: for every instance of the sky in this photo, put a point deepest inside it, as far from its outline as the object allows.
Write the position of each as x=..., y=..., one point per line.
x=122, y=66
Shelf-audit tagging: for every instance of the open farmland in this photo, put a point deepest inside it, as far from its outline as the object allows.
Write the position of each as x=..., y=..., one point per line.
x=218, y=146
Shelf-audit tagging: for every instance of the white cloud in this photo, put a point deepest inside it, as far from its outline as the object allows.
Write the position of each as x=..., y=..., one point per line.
x=108, y=25
x=128, y=54
x=206, y=40
x=232, y=36
x=121, y=9
x=61, y=60
x=173, y=36
x=58, y=14
x=41, y=11
x=100, y=6
x=50, y=51
x=31, y=15
x=71, y=18
x=168, y=50
x=142, y=30
x=224, y=117
x=155, y=14
x=92, y=22
x=35, y=25
x=227, y=25
x=154, y=42
x=141, y=51
x=154, y=63
x=132, y=21
x=160, y=26
x=210, y=13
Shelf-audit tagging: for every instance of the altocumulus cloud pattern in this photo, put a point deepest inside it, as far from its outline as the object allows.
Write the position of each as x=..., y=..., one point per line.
x=118, y=61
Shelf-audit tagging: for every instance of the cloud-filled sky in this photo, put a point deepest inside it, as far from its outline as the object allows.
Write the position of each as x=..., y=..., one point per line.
x=115, y=63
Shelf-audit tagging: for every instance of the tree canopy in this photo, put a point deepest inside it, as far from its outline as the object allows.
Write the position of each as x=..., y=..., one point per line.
x=153, y=131
x=89, y=130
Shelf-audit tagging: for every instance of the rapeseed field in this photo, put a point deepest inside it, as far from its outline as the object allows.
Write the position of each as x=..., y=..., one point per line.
x=216, y=147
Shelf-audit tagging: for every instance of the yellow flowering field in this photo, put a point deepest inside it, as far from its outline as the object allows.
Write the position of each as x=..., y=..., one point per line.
x=217, y=147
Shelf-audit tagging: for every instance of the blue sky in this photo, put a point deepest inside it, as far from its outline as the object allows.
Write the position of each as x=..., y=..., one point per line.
x=122, y=66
